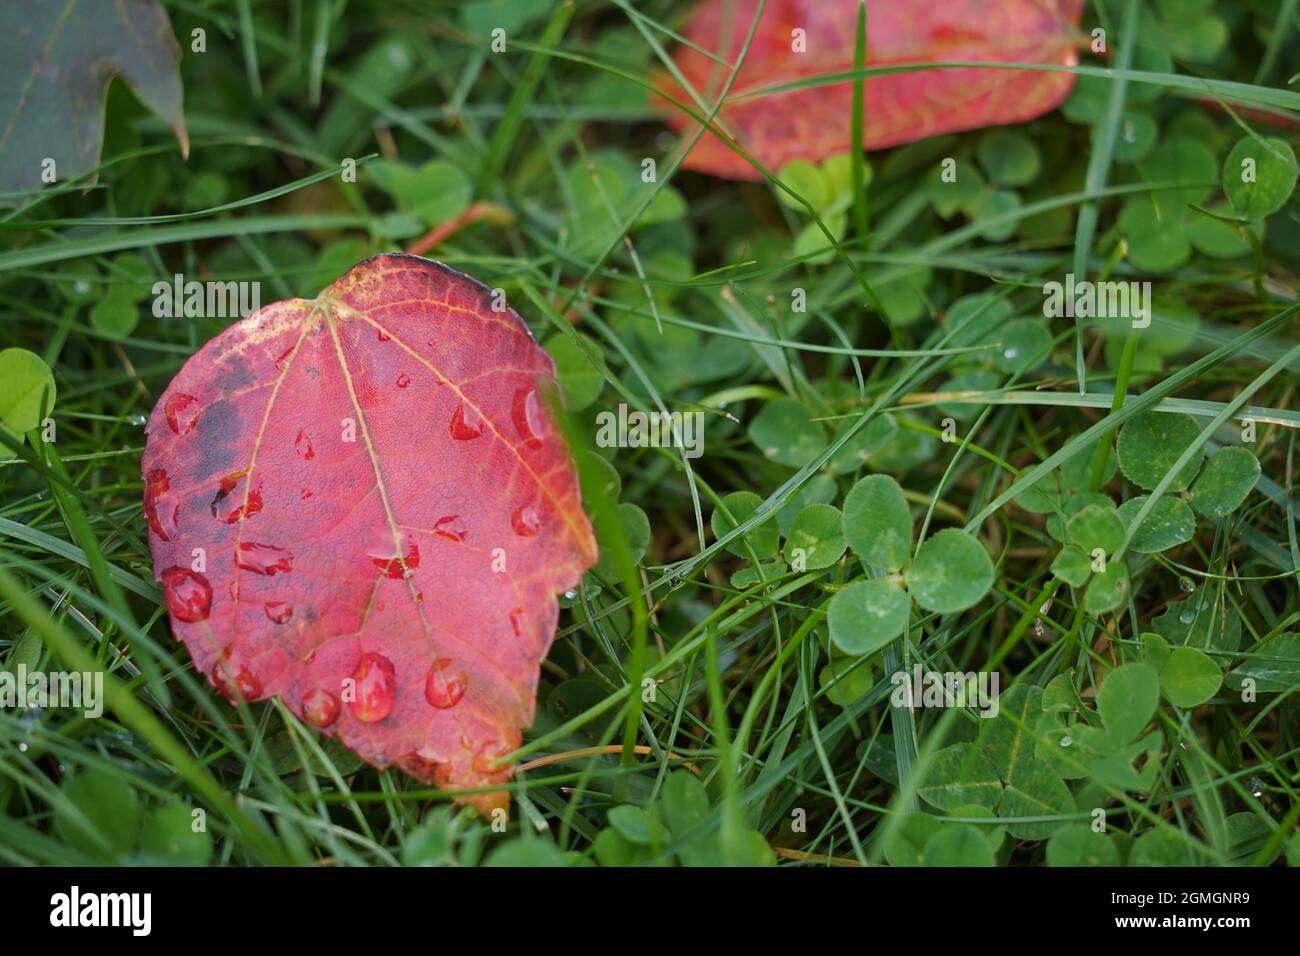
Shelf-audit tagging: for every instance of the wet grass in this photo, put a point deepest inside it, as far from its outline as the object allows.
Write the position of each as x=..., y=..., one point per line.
x=681, y=311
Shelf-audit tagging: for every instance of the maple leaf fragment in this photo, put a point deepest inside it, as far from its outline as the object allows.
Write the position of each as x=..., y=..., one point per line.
x=361, y=503
x=60, y=58
x=816, y=122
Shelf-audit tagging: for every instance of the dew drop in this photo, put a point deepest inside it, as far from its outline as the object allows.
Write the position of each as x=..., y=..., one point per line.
x=487, y=755
x=182, y=413
x=248, y=685
x=399, y=566
x=263, y=559
x=246, y=682
x=526, y=521
x=302, y=446
x=570, y=594
x=1186, y=584
x=278, y=611
x=1066, y=741
x=466, y=422
x=234, y=500
x=450, y=526
x=1187, y=617
x=320, y=707
x=137, y=420
x=187, y=593
x=1256, y=787
x=376, y=688
x=403, y=380
x=527, y=416
x=155, y=486
x=444, y=687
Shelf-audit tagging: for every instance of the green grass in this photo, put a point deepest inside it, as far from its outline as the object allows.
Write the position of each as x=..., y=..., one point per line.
x=763, y=739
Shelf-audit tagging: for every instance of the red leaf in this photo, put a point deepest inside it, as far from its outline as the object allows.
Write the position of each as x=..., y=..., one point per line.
x=815, y=123
x=385, y=513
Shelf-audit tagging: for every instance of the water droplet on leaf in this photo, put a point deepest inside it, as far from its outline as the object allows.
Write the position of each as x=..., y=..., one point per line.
x=263, y=559
x=187, y=593
x=320, y=707
x=376, y=688
x=247, y=684
x=526, y=521
x=182, y=413
x=235, y=500
x=162, y=521
x=487, y=755
x=450, y=526
x=527, y=415
x=445, y=686
x=466, y=423
x=278, y=612
x=401, y=565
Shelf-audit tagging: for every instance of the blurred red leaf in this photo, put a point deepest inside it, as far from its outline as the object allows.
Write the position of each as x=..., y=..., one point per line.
x=815, y=123
x=361, y=503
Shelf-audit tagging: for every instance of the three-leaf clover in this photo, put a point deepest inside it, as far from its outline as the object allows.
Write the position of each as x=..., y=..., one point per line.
x=1151, y=443
x=950, y=572
x=1126, y=702
x=1092, y=535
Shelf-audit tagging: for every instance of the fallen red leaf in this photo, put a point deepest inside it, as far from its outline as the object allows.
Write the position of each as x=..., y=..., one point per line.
x=815, y=123
x=361, y=503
